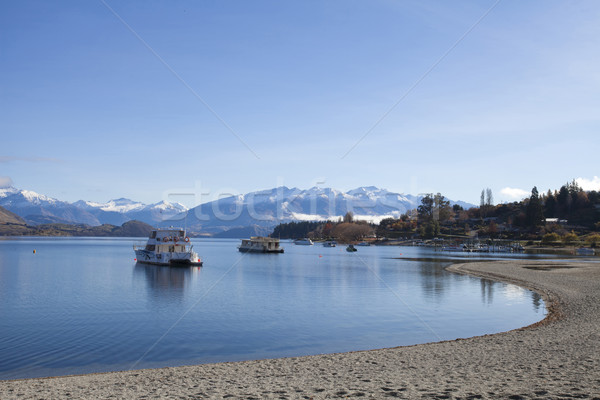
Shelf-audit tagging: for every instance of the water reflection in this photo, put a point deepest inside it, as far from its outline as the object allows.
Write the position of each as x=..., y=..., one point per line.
x=432, y=283
x=487, y=291
x=166, y=282
x=537, y=301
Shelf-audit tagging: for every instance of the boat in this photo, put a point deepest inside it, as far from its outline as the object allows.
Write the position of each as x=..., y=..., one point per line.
x=585, y=251
x=260, y=244
x=330, y=243
x=454, y=248
x=351, y=248
x=170, y=247
x=303, y=242
x=363, y=244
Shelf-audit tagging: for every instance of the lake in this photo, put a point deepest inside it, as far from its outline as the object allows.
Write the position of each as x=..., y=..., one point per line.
x=81, y=305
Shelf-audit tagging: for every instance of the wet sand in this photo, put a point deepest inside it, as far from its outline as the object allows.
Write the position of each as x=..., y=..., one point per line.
x=556, y=358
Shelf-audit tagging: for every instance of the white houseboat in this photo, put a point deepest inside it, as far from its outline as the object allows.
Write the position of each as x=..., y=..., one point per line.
x=167, y=247
x=260, y=244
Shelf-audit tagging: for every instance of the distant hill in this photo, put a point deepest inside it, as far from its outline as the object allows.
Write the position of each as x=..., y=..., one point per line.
x=245, y=232
x=7, y=217
x=11, y=224
x=128, y=229
x=133, y=229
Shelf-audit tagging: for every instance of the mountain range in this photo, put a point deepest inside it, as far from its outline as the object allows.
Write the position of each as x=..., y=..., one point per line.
x=37, y=209
x=252, y=213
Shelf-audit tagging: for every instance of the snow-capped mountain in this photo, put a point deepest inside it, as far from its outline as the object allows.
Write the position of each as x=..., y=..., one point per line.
x=261, y=209
x=121, y=210
x=267, y=208
x=121, y=205
x=36, y=208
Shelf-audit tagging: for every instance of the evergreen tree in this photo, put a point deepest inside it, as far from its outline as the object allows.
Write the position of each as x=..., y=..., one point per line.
x=534, y=215
x=550, y=205
x=563, y=201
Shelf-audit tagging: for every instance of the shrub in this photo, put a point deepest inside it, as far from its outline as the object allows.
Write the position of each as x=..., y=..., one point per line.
x=570, y=238
x=593, y=240
x=551, y=238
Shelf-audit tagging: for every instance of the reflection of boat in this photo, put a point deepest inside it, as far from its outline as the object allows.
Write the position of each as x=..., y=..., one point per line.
x=585, y=251
x=363, y=244
x=167, y=247
x=351, y=248
x=259, y=244
x=303, y=242
x=330, y=243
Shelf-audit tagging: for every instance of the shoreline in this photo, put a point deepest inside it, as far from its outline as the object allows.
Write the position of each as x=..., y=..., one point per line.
x=555, y=357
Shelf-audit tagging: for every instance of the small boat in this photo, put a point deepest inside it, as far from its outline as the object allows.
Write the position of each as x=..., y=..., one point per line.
x=330, y=243
x=585, y=251
x=363, y=244
x=351, y=248
x=303, y=242
x=167, y=247
x=260, y=244
x=454, y=248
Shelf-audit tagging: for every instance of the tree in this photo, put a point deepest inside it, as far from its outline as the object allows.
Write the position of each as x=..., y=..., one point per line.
x=486, y=202
x=570, y=238
x=551, y=238
x=550, y=205
x=593, y=240
x=349, y=232
x=534, y=215
x=442, y=208
x=489, y=198
x=492, y=229
x=425, y=210
x=349, y=217
x=434, y=208
x=563, y=200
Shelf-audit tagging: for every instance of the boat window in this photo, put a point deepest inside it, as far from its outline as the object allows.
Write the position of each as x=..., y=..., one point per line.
x=153, y=235
x=150, y=247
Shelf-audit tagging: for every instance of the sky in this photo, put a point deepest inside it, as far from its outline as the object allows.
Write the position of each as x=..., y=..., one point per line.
x=189, y=101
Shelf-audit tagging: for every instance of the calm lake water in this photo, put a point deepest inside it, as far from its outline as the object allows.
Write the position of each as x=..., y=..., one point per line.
x=81, y=305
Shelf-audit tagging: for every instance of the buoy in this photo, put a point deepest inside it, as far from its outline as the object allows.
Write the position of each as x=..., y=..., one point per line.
x=135, y=259
x=33, y=251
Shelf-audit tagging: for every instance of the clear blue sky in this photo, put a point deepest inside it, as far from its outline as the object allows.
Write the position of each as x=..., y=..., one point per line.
x=141, y=99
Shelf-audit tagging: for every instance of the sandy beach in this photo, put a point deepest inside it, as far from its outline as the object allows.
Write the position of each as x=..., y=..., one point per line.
x=556, y=358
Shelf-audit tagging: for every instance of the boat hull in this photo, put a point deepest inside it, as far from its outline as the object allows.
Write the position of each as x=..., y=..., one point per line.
x=264, y=251
x=167, y=259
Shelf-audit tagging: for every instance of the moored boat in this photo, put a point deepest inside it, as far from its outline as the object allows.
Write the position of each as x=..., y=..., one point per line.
x=585, y=251
x=167, y=247
x=303, y=242
x=330, y=243
x=260, y=244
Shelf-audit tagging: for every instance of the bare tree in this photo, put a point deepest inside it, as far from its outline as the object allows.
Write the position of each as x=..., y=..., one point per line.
x=489, y=197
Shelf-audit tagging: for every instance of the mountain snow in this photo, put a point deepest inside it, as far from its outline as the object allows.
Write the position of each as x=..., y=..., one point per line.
x=264, y=208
